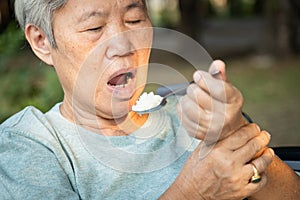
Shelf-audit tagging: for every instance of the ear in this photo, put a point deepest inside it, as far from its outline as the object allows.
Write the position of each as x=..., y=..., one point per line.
x=39, y=43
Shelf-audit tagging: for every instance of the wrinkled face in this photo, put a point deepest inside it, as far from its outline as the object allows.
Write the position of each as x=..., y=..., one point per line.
x=103, y=48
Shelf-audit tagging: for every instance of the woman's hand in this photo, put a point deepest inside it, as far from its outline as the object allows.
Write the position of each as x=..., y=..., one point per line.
x=212, y=108
x=224, y=173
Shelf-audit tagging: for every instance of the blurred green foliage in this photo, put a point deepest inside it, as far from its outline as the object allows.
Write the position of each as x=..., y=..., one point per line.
x=10, y=42
x=24, y=80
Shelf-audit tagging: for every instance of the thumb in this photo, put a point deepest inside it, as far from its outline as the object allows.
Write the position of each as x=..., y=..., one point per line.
x=218, y=65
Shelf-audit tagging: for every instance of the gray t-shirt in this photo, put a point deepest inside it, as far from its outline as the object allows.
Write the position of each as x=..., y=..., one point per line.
x=44, y=156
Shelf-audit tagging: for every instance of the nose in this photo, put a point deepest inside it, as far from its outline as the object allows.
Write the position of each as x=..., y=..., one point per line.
x=119, y=45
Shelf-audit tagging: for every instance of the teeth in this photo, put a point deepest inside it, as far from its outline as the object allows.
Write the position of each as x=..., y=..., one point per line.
x=123, y=85
x=128, y=79
x=118, y=86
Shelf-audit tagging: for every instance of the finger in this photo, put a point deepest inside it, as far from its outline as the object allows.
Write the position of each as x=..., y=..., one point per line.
x=218, y=89
x=193, y=130
x=241, y=137
x=218, y=65
x=261, y=163
x=210, y=85
x=252, y=147
x=200, y=123
x=252, y=188
x=210, y=111
x=205, y=101
x=194, y=118
x=199, y=96
x=192, y=110
x=261, y=167
x=246, y=173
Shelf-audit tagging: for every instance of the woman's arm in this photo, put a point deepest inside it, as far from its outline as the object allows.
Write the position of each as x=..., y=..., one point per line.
x=283, y=183
x=224, y=172
x=211, y=98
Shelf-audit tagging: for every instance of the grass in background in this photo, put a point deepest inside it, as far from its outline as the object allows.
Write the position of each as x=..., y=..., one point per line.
x=272, y=96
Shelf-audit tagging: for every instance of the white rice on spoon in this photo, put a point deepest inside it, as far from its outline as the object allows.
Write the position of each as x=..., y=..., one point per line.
x=147, y=101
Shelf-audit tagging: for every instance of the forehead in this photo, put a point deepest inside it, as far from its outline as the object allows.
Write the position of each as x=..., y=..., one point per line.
x=103, y=4
x=80, y=10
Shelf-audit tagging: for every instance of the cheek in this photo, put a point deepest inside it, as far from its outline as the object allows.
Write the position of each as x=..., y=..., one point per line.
x=144, y=56
x=71, y=47
x=70, y=61
x=141, y=39
x=102, y=101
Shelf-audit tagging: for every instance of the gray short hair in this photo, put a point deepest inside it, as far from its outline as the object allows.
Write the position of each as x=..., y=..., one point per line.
x=39, y=13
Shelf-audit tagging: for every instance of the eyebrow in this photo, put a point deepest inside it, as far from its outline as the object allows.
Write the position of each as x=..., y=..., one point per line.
x=135, y=5
x=131, y=6
x=88, y=15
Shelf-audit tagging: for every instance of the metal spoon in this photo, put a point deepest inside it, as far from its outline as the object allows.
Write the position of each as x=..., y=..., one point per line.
x=170, y=93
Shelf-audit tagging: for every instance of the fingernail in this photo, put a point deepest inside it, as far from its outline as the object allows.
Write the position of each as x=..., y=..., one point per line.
x=272, y=152
x=257, y=127
x=267, y=134
x=197, y=76
x=216, y=72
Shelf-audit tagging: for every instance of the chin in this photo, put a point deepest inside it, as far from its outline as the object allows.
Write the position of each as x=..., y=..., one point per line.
x=121, y=110
x=113, y=110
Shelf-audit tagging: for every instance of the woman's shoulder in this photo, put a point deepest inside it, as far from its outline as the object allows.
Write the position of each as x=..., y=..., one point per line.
x=31, y=154
x=24, y=118
x=29, y=123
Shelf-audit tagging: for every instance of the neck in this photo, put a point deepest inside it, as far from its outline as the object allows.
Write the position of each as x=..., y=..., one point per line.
x=109, y=127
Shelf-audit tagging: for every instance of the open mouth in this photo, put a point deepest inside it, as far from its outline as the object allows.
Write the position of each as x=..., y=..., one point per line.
x=121, y=80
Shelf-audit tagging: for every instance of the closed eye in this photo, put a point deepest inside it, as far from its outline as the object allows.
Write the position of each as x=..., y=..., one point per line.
x=95, y=29
x=134, y=21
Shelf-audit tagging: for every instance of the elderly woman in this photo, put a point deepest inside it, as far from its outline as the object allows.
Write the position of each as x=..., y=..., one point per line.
x=92, y=146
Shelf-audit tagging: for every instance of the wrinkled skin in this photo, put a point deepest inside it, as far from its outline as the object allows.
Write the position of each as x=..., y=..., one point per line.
x=225, y=172
x=212, y=108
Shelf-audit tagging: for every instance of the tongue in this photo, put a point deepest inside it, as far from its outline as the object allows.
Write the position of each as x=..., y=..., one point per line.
x=118, y=80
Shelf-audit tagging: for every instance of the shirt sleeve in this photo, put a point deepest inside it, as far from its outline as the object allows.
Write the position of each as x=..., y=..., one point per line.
x=30, y=170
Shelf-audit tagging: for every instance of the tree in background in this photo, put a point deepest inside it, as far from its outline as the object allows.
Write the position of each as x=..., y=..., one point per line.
x=190, y=13
x=295, y=25
x=283, y=18
x=283, y=46
x=4, y=14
